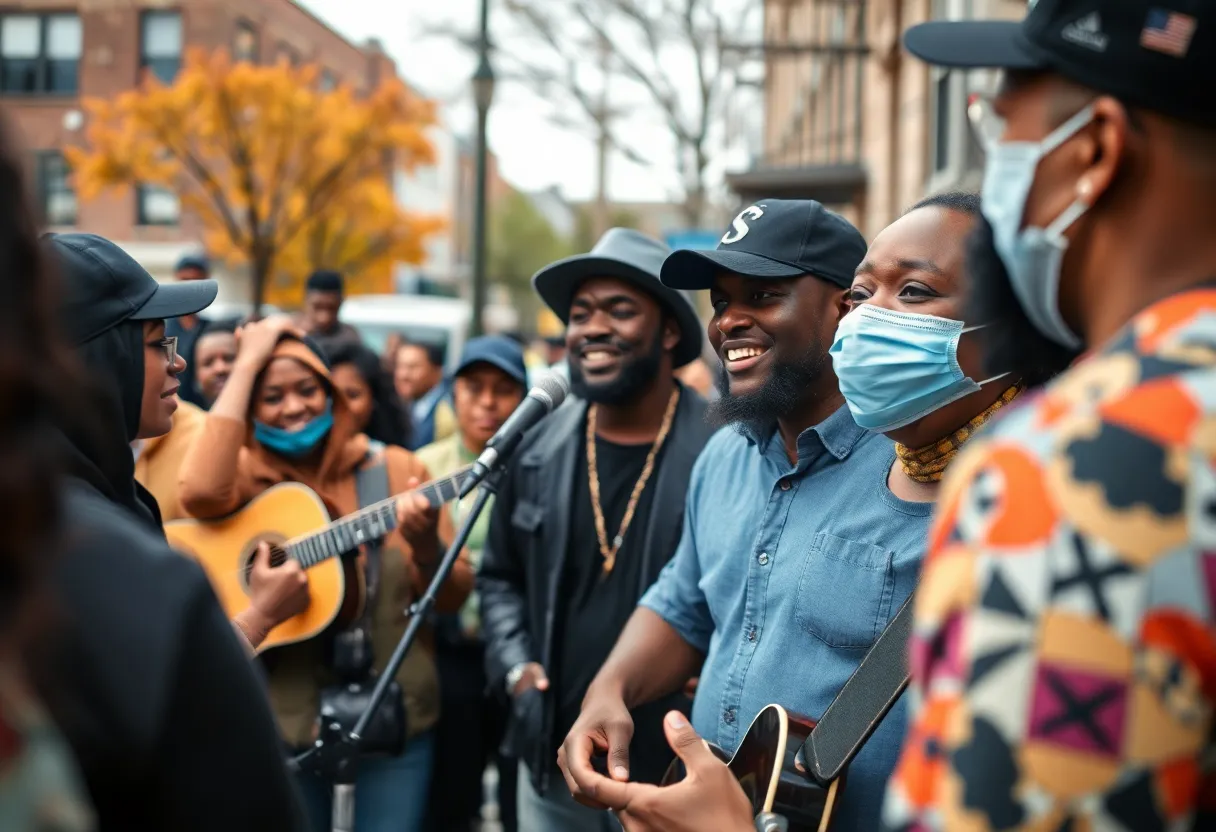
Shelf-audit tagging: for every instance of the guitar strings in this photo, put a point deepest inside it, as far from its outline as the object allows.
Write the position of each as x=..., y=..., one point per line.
x=436, y=485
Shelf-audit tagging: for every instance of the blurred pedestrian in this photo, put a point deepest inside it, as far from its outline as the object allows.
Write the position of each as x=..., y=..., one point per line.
x=489, y=382
x=324, y=292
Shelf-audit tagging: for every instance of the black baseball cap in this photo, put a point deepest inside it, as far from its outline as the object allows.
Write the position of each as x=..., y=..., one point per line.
x=774, y=238
x=1156, y=54
x=104, y=286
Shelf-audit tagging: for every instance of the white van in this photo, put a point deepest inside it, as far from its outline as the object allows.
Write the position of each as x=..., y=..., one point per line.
x=428, y=319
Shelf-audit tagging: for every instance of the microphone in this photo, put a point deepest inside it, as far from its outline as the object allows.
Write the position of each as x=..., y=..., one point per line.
x=545, y=397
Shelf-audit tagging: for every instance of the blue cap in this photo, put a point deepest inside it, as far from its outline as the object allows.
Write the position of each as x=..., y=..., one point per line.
x=497, y=351
x=194, y=261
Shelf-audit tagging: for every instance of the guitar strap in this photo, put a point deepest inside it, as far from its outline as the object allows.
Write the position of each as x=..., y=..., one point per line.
x=863, y=701
x=371, y=484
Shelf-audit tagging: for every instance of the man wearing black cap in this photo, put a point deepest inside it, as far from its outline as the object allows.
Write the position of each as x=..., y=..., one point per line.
x=156, y=696
x=795, y=554
x=1065, y=645
x=590, y=510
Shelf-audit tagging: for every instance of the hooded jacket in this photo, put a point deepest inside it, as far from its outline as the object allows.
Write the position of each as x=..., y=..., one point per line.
x=153, y=691
x=102, y=457
x=226, y=468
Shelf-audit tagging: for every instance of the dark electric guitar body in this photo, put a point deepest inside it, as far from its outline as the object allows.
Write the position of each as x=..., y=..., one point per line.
x=773, y=776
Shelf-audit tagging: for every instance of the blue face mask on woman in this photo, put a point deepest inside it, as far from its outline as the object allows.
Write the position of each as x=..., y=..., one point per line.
x=296, y=444
x=1032, y=256
x=897, y=367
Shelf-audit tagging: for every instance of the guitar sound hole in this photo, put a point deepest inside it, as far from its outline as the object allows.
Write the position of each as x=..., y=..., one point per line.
x=278, y=557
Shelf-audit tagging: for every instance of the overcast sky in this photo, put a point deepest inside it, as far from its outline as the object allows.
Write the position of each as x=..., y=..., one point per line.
x=532, y=154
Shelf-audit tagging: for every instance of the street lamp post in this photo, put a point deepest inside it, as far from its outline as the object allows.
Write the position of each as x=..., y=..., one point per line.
x=483, y=94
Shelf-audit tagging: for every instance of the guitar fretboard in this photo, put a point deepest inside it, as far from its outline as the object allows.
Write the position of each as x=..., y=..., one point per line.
x=368, y=524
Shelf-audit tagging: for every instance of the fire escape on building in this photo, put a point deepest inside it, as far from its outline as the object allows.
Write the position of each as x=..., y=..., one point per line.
x=814, y=54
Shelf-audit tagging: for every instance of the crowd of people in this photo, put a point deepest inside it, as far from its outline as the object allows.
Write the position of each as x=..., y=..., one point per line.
x=997, y=411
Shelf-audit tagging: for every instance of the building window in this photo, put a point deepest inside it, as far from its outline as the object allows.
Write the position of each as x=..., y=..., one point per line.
x=160, y=45
x=55, y=193
x=245, y=43
x=40, y=53
x=952, y=153
x=328, y=81
x=156, y=205
x=286, y=53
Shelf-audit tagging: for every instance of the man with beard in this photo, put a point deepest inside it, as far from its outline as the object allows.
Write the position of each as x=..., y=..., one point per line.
x=590, y=511
x=795, y=554
x=1064, y=651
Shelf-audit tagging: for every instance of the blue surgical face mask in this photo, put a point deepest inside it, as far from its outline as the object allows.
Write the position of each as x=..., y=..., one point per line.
x=296, y=443
x=1032, y=256
x=897, y=367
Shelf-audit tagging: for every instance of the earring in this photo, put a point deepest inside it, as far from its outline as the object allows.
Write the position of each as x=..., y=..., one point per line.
x=1084, y=188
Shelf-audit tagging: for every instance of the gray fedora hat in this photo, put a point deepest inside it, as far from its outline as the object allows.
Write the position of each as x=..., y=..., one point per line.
x=635, y=258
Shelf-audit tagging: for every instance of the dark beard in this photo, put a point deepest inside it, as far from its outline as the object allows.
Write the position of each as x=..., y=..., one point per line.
x=1010, y=342
x=635, y=376
x=785, y=390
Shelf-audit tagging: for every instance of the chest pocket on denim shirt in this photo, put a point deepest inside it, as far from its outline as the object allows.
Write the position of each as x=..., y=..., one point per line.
x=844, y=594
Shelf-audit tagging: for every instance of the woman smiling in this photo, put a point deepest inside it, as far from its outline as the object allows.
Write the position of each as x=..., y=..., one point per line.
x=902, y=356
x=281, y=418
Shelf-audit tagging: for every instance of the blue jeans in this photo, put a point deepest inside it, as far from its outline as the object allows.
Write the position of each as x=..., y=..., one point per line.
x=556, y=810
x=390, y=792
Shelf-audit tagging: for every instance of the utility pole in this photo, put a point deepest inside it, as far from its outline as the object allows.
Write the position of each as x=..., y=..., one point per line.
x=483, y=95
x=603, y=120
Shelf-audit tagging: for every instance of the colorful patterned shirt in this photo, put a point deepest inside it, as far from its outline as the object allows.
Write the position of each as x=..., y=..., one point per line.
x=1064, y=646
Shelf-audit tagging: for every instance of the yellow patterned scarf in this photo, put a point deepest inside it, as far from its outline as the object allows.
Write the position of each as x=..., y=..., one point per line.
x=929, y=463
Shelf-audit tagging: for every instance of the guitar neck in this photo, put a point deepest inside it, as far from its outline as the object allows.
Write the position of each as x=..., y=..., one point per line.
x=370, y=523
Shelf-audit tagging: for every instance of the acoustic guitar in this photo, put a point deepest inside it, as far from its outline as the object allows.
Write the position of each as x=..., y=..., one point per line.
x=294, y=521
x=775, y=778
x=795, y=767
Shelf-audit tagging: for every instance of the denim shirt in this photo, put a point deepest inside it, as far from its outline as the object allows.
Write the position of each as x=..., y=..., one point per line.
x=785, y=575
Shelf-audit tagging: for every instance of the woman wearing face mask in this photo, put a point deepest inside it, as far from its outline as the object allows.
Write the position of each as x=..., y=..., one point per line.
x=280, y=418
x=373, y=402
x=905, y=363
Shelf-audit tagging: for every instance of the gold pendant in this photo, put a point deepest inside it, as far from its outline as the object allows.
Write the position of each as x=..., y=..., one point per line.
x=609, y=562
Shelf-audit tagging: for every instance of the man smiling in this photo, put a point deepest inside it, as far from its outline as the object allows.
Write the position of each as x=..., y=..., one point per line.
x=590, y=510
x=794, y=553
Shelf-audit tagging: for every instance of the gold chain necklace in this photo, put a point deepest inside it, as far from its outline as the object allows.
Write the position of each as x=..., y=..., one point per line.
x=601, y=532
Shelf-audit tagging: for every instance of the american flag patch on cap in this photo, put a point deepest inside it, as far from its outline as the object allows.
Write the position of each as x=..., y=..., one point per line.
x=1168, y=32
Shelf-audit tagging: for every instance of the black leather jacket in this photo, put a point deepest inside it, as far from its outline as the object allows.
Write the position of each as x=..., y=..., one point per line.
x=526, y=547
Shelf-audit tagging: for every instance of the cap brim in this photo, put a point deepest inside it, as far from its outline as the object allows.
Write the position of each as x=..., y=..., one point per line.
x=172, y=300
x=973, y=44
x=687, y=269
x=495, y=362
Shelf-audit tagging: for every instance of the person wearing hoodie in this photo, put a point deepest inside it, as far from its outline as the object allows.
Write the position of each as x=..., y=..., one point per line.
x=281, y=418
x=152, y=688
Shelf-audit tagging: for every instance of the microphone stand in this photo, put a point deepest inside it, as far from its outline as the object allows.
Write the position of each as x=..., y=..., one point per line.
x=335, y=755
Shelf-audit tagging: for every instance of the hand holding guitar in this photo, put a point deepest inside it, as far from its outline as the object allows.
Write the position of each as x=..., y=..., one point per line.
x=604, y=725
x=276, y=594
x=418, y=521
x=709, y=797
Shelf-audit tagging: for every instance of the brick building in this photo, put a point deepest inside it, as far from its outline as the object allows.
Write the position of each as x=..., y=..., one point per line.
x=53, y=53
x=851, y=119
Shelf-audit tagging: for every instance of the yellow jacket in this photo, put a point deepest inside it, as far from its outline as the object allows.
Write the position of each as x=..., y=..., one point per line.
x=159, y=460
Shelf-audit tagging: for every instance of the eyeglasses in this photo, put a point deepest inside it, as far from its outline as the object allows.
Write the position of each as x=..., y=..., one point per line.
x=169, y=345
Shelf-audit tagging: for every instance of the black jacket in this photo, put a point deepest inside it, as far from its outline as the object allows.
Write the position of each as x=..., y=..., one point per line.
x=526, y=547
x=149, y=681
x=157, y=697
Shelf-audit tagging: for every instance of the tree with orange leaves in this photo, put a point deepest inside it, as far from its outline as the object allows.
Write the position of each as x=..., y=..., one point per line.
x=286, y=178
